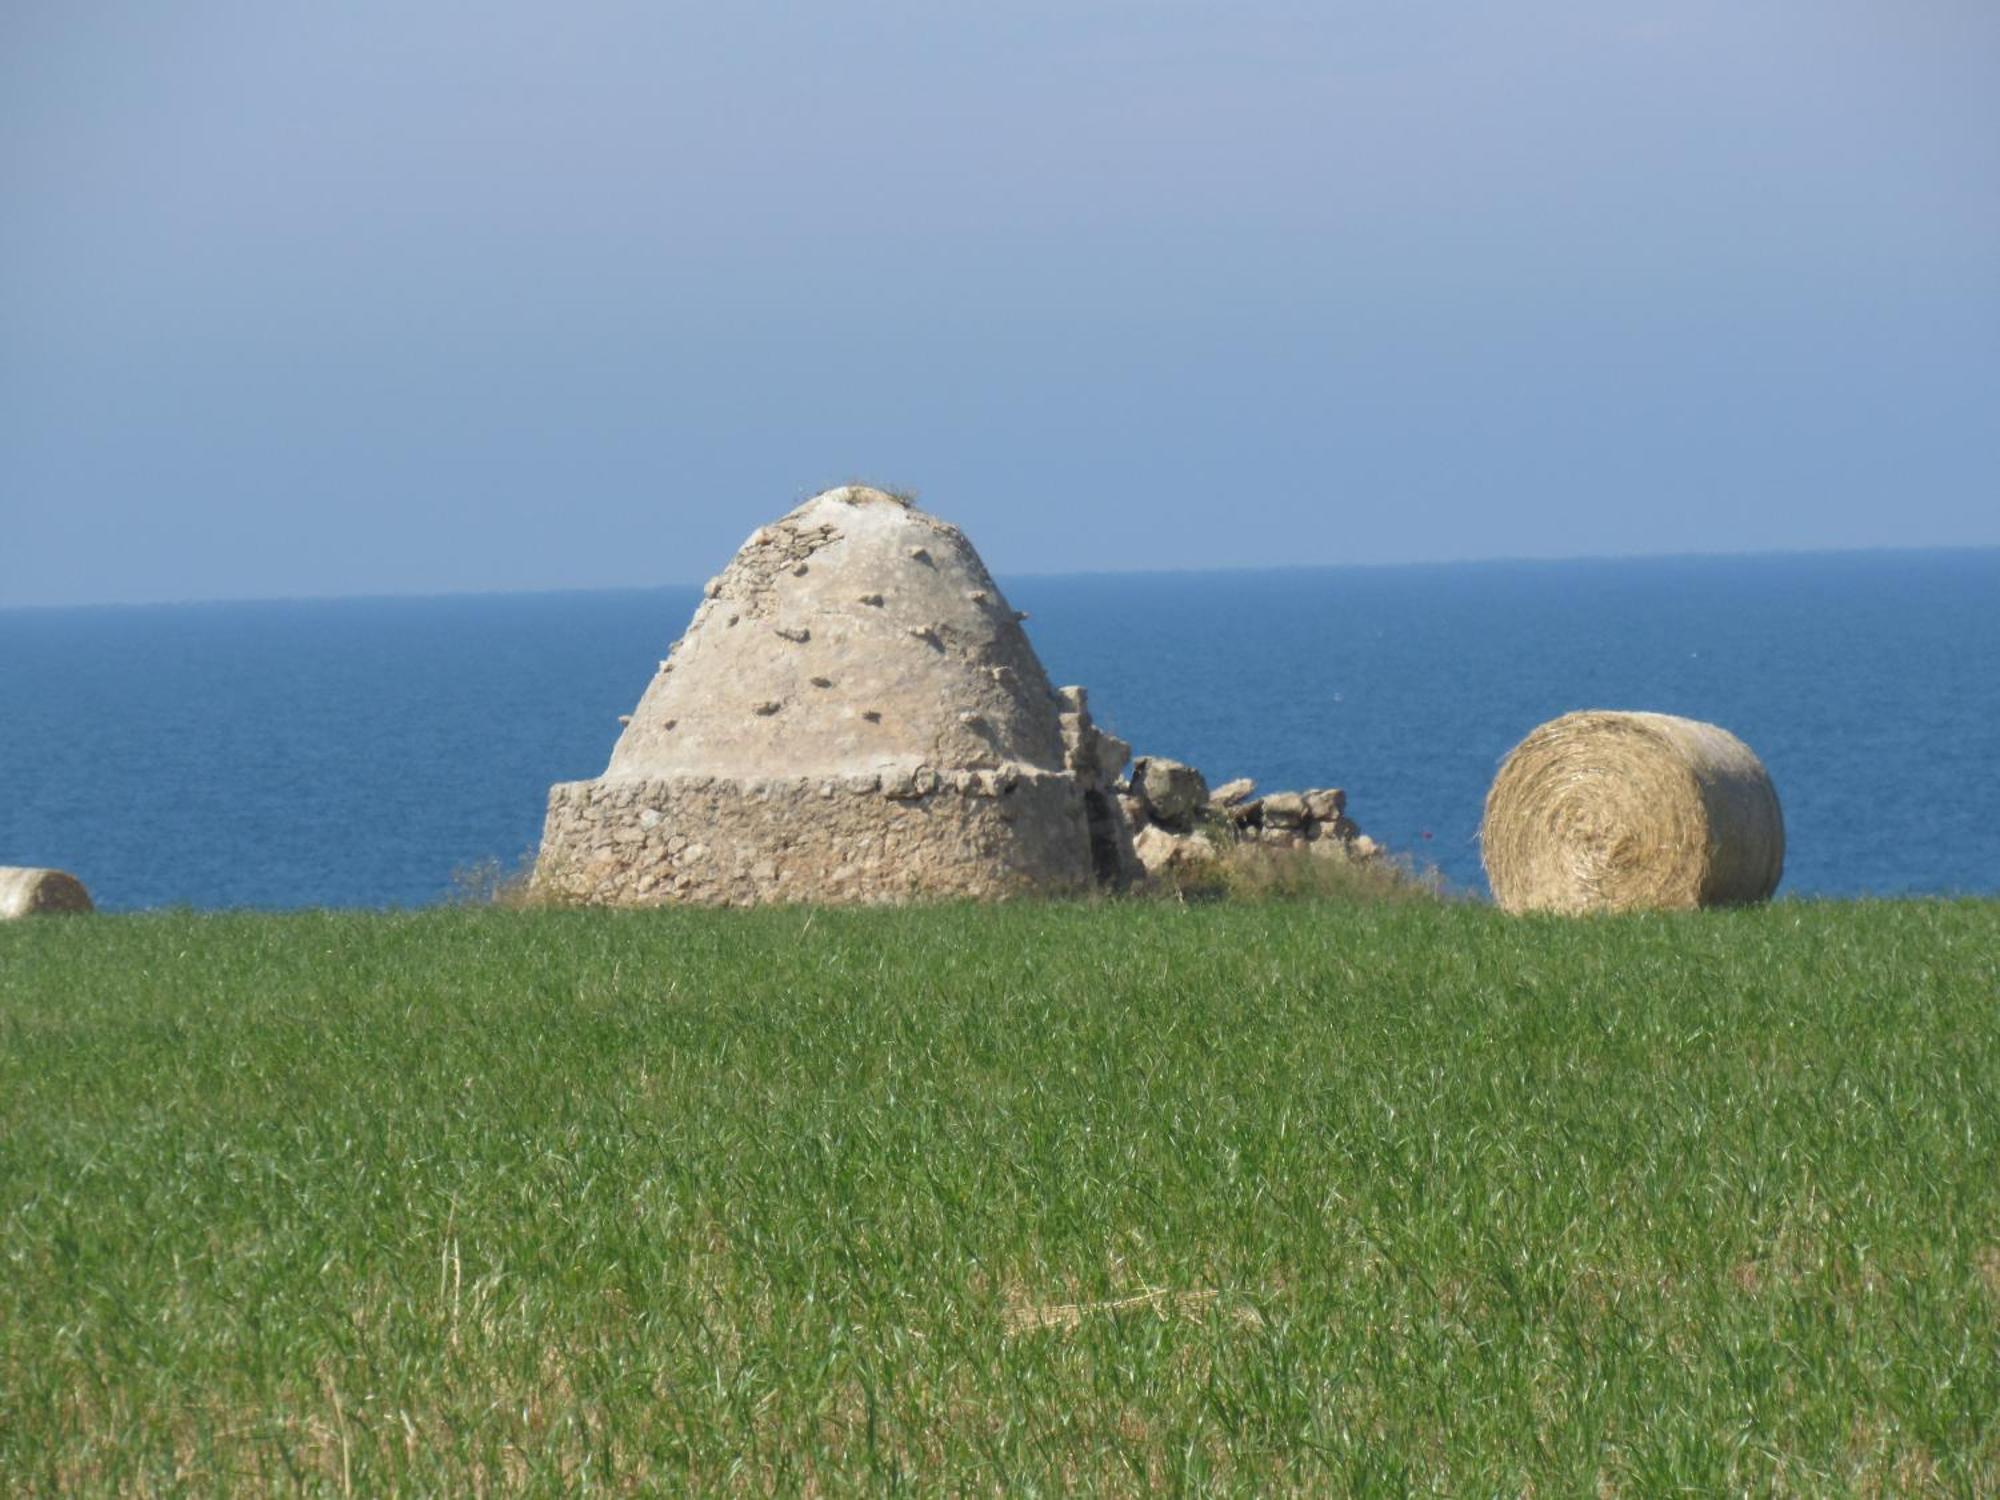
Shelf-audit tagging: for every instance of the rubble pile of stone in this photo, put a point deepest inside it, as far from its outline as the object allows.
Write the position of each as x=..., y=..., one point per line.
x=1164, y=819
x=1177, y=820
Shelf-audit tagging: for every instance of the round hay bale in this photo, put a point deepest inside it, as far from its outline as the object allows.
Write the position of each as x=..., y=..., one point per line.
x=31, y=893
x=1607, y=811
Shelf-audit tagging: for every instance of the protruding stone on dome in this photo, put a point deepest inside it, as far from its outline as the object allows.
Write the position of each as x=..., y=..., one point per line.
x=854, y=713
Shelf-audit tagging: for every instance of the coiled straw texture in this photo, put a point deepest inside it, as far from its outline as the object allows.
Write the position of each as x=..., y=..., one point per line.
x=1610, y=811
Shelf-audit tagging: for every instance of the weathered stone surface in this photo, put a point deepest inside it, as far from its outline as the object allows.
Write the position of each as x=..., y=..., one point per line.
x=1094, y=759
x=1246, y=816
x=28, y=892
x=1112, y=753
x=1088, y=751
x=715, y=841
x=853, y=714
x=1079, y=744
x=1325, y=803
x=1284, y=810
x=1112, y=860
x=923, y=659
x=1313, y=821
x=1162, y=852
x=1173, y=793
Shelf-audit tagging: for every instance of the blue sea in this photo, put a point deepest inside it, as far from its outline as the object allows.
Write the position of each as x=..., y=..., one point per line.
x=359, y=753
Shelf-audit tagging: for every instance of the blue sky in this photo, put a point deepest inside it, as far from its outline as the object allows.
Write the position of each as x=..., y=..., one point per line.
x=307, y=299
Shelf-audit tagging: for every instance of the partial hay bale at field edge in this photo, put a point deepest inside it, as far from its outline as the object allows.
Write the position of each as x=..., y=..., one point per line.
x=1610, y=811
x=33, y=893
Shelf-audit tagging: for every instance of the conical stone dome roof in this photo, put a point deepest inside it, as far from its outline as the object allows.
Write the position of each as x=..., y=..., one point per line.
x=855, y=633
x=854, y=714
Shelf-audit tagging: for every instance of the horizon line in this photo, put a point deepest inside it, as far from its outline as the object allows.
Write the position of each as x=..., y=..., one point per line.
x=1518, y=560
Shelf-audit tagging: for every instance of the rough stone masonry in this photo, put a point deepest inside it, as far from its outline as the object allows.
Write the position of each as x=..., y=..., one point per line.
x=855, y=715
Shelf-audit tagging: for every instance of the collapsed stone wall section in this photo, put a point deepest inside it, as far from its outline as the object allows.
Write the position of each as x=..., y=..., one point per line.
x=1097, y=760
x=1178, y=823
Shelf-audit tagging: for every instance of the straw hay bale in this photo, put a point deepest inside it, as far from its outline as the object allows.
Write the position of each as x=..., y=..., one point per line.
x=1608, y=811
x=30, y=893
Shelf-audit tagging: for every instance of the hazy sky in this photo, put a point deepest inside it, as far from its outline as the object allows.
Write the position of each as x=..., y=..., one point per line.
x=373, y=297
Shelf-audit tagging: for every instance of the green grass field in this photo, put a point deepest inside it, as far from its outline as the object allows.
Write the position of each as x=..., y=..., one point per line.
x=1041, y=1199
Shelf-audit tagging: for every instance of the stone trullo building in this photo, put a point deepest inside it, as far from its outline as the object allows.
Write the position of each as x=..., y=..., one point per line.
x=854, y=714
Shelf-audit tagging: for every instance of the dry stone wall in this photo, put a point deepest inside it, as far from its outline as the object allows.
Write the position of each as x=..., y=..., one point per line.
x=1178, y=824
x=861, y=837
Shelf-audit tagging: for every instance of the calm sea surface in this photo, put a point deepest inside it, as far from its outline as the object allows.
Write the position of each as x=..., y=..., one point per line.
x=358, y=752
